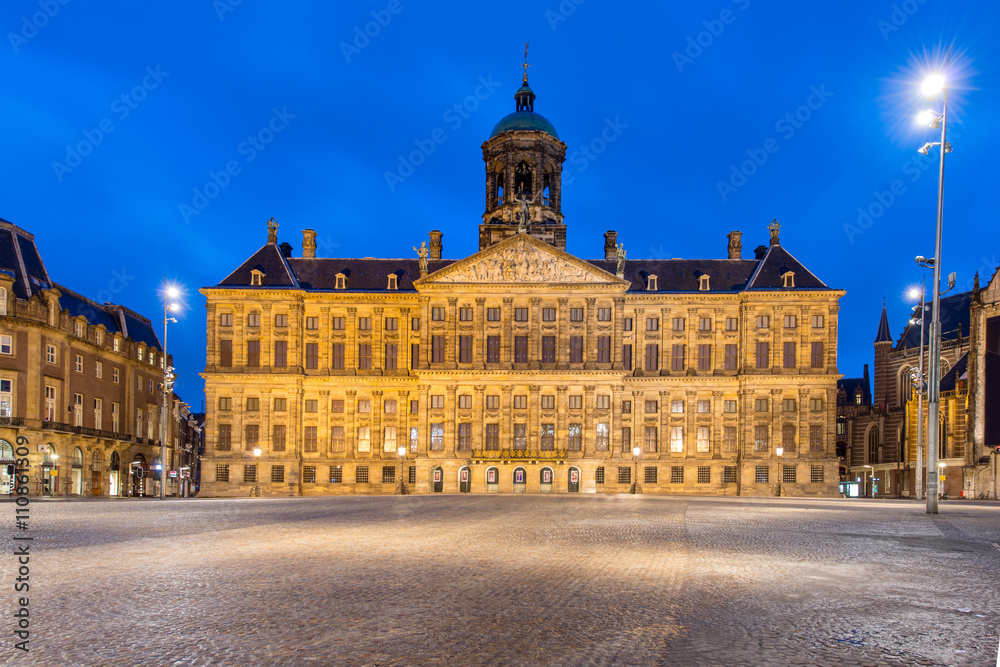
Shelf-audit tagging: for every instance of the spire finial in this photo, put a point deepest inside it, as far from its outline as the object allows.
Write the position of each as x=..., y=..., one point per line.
x=272, y=231
x=526, y=65
x=774, y=228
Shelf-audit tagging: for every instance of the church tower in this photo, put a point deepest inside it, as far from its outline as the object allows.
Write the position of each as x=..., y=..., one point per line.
x=524, y=159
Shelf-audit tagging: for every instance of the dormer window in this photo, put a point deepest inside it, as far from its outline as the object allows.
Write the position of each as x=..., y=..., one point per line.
x=703, y=283
x=788, y=279
x=651, y=283
x=3, y=300
x=341, y=281
x=117, y=345
x=256, y=277
x=140, y=353
x=78, y=329
x=393, y=281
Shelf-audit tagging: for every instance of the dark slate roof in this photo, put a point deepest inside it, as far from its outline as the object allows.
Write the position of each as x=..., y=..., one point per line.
x=883, y=335
x=850, y=385
x=776, y=263
x=681, y=275
x=19, y=255
x=268, y=260
x=955, y=316
x=365, y=275
x=956, y=373
x=115, y=318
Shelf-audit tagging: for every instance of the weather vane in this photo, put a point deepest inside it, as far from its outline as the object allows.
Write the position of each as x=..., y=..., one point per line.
x=526, y=65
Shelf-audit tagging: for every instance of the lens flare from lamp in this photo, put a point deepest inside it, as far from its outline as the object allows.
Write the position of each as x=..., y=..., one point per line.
x=933, y=84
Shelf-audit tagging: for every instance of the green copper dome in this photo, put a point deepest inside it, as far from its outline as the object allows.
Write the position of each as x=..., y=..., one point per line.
x=524, y=120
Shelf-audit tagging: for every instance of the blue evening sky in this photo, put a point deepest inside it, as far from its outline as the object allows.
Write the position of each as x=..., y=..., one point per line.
x=116, y=114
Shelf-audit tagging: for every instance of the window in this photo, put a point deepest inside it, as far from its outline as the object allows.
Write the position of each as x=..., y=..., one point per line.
x=464, y=314
x=520, y=349
x=437, y=349
x=703, y=282
x=652, y=324
x=389, y=439
x=492, y=314
x=222, y=472
x=574, y=439
x=140, y=353
x=704, y=357
x=7, y=345
x=603, y=314
x=704, y=439
x=415, y=324
x=364, y=439
x=788, y=474
x=732, y=324
x=520, y=314
x=78, y=363
x=548, y=436
x=816, y=355
x=465, y=401
x=336, y=474
x=389, y=406
x=763, y=351
x=760, y=405
x=650, y=407
x=277, y=474
x=604, y=349
x=364, y=405
x=599, y=475
x=225, y=319
x=729, y=475
x=337, y=438
x=624, y=475
x=253, y=353
x=576, y=402
x=788, y=437
x=337, y=323
x=576, y=349
x=788, y=405
x=437, y=314
x=704, y=407
x=651, y=438
x=98, y=335
x=761, y=477
x=677, y=439
x=705, y=324
x=253, y=320
x=98, y=366
x=312, y=355
x=251, y=435
x=437, y=436
x=50, y=354
x=391, y=357
x=602, y=437
x=760, y=443
x=704, y=475
x=763, y=321
x=437, y=401
x=731, y=357
x=7, y=399
x=677, y=358
x=226, y=353
x=253, y=404
x=576, y=314
x=791, y=321
x=493, y=402
x=388, y=474
x=281, y=320
x=337, y=356
x=280, y=354
x=312, y=405
x=626, y=439
x=364, y=324
x=627, y=357
x=651, y=283
x=493, y=349
x=393, y=282
x=310, y=440
x=225, y=403
x=364, y=356
x=789, y=356
x=649, y=475
x=493, y=436
x=817, y=321
x=115, y=416
x=548, y=402
x=520, y=436
x=788, y=279
x=278, y=438
x=521, y=402
x=627, y=407
x=815, y=439
x=414, y=438
x=361, y=475
x=77, y=409
x=816, y=404
x=116, y=344
x=391, y=324
x=312, y=323
x=729, y=406
x=677, y=407
x=115, y=375
x=678, y=324
x=816, y=474
x=548, y=314
x=602, y=402
x=414, y=407
x=627, y=324
x=548, y=349
x=652, y=357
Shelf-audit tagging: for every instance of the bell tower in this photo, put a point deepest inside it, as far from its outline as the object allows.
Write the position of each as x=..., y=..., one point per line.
x=524, y=160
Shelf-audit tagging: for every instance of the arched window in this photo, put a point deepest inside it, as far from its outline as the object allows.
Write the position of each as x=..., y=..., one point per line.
x=3, y=300
x=96, y=462
x=873, y=441
x=906, y=377
x=6, y=451
x=499, y=185
x=115, y=461
x=77, y=457
x=547, y=186
x=522, y=179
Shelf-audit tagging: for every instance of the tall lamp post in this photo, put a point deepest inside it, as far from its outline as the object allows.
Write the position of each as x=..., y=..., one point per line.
x=932, y=86
x=635, y=488
x=921, y=388
x=779, y=450
x=170, y=293
x=401, y=488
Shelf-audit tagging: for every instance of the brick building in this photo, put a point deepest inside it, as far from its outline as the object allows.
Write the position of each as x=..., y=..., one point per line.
x=521, y=367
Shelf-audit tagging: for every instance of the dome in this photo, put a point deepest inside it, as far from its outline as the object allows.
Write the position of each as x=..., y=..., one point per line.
x=524, y=120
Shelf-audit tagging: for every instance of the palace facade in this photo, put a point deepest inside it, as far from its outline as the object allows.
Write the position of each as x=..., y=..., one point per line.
x=521, y=368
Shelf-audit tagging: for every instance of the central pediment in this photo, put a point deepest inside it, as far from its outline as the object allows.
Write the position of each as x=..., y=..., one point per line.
x=521, y=259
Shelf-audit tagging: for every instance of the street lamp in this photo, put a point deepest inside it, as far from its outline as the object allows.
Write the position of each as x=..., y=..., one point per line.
x=401, y=487
x=170, y=295
x=779, y=450
x=256, y=467
x=933, y=85
x=635, y=488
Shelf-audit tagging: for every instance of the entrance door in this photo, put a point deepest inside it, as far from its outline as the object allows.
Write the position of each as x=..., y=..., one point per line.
x=464, y=480
x=574, y=480
x=95, y=482
x=520, y=480
x=492, y=480
x=545, y=480
x=47, y=480
x=438, y=480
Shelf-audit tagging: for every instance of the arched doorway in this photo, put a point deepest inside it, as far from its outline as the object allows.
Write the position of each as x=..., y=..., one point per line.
x=6, y=468
x=49, y=473
x=545, y=480
x=465, y=479
x=492, y=480
x=437, y=477
x=114, y=479
x=95, y=473
x=520, y=479
x=574, y=480
x=76, y=473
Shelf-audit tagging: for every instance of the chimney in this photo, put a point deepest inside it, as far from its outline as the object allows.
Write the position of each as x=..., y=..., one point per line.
x=286, y=249
x=610, y=244
x=436, y=247
x=760, y=251
x=308, y=244
x=735, y=245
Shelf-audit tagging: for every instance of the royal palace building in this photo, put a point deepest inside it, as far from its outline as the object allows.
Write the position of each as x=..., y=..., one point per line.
x=521, y=368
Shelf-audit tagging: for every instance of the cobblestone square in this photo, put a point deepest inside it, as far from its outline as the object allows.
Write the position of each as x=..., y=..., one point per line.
x=509, y=580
